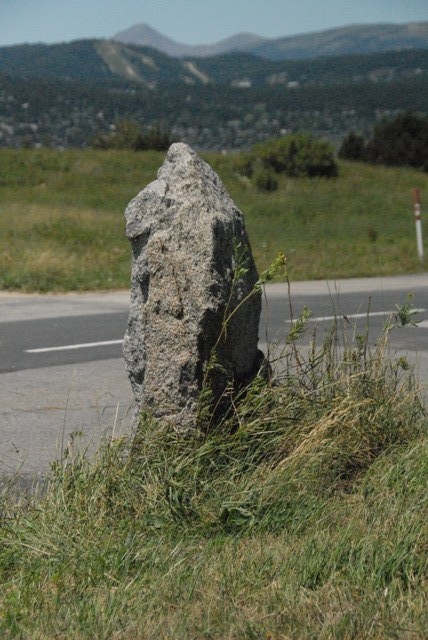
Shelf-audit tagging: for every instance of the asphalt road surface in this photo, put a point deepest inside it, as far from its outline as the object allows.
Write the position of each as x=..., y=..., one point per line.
x=62, y=370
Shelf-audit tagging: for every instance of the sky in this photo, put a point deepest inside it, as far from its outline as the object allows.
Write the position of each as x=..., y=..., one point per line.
x=193, y=21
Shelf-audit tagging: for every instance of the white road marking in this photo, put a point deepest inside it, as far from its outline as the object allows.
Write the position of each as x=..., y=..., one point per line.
x=68, y=347
x=355, y=316
x=352, y=316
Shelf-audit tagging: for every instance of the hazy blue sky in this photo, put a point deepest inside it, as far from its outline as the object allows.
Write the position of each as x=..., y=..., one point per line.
x=192, y=21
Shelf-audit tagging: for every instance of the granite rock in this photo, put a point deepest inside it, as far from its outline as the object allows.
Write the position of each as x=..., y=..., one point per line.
x=192, y=269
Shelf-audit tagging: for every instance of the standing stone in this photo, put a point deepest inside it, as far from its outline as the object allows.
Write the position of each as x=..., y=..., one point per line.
x=186, y=234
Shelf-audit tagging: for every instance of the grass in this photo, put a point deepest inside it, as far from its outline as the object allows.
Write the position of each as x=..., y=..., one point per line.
x=360, y=224
x=62, y=222
x=302, y=515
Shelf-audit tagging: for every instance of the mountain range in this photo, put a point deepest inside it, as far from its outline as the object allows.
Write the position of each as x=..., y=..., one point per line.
x=353, y=39
x=69, y=94
x=109, y=60
x=142, y=55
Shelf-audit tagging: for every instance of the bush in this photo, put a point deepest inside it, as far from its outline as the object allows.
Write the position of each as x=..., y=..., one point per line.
x=129, y=135
x=299, y=155
x=265, y=180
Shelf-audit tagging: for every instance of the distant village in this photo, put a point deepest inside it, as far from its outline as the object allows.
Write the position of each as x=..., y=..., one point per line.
x=74, y=121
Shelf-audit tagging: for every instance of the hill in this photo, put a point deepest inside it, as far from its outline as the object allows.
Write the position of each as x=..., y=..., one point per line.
x=93, y=60
x=65, y=94
x=96, y=60
x=362, y=38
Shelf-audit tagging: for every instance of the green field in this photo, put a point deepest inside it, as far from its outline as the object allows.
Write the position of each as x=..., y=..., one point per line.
x=62, y=219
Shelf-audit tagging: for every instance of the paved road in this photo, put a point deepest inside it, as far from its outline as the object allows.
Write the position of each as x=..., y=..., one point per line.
x=46, y=397
x=357, y=310
x=56, y=378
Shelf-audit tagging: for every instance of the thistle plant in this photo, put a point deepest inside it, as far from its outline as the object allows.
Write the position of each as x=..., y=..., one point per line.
x=208, y=408
x=405, y=312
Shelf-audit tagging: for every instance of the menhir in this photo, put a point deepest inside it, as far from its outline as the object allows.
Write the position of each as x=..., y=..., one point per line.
x=194, y=311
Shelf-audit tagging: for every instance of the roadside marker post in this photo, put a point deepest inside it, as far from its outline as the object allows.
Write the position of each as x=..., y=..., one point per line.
x=418, y=223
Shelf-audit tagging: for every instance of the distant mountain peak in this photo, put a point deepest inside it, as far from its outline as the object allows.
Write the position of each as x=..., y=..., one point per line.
x=144, y=35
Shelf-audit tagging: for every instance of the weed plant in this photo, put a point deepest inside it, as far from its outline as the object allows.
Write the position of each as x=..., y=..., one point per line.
x=62, y=222
x=301, y=515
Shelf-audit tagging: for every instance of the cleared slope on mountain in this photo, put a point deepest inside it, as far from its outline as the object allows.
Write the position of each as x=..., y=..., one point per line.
x=95, y=60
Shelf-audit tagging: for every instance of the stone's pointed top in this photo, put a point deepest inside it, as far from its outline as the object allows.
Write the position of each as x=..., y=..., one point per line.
x=180, y=149
x=178, y=154
x=180, y=158
x=185, y=172
x=185, y=186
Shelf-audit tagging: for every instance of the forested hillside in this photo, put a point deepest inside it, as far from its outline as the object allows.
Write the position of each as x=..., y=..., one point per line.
x=65, y=95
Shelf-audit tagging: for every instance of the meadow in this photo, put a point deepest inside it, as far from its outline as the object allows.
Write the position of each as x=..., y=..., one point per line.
x=62, y=218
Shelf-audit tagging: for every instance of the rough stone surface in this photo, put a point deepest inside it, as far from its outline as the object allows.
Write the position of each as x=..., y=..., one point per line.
x=184, y=231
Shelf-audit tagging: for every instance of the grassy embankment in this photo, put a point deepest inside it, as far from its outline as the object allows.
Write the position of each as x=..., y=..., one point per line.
x=302, y=516
x=62, y=224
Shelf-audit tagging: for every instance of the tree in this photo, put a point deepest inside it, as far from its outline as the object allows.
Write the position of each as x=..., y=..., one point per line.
x=402, y=141
x=353, y=147
x=155, y=138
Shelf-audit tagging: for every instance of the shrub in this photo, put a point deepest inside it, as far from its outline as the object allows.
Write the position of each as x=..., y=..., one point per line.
x=129, y=135
x=243, y=164
x=299, y=155
x=265, y=179
x=155, y=139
